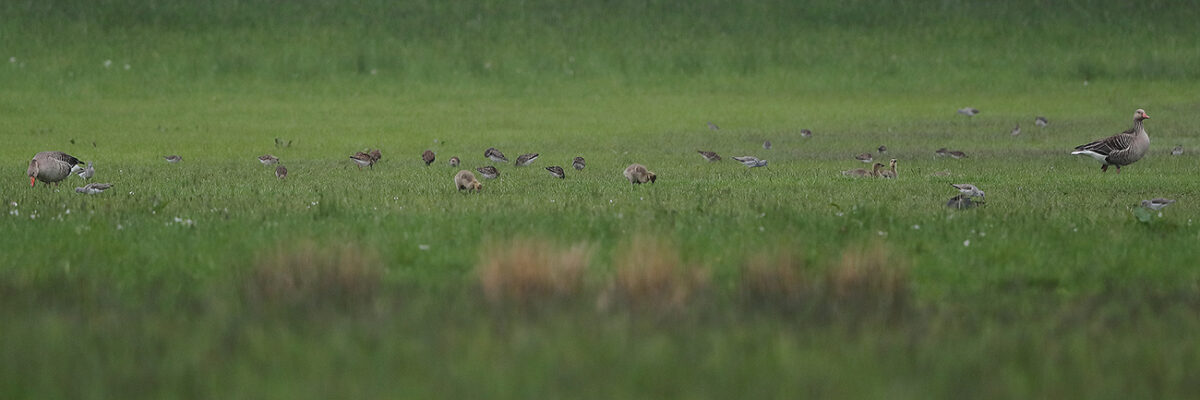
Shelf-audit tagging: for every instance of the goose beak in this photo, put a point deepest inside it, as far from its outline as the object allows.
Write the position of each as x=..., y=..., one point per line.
x=32, y=181
x=1145, y=116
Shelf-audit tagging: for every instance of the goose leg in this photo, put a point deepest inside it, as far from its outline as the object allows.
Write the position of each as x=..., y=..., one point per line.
x=1104, y=167
x=1118, y=169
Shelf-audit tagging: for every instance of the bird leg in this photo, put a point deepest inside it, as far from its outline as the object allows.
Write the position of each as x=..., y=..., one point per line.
x=1118, y=169
x=1104, y=167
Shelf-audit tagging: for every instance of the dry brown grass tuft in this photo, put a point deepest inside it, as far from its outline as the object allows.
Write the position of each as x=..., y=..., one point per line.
x=308, y=274
x=651, y=277
x=870, y=280
x=524, y=271
x=777, y=282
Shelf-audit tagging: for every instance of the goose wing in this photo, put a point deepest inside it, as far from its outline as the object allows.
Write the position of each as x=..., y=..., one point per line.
x=1109, y=145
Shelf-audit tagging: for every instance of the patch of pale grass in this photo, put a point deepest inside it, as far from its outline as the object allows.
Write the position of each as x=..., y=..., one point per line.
x=869, y=280
x=309, y=274
x=651, y=276
x=525, y=271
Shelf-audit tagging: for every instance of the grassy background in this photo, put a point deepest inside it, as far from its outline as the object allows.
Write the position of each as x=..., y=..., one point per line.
x=1060, y=292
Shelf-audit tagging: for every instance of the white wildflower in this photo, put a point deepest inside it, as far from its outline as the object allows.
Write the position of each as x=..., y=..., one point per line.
x=107, y=63
x=967, y=242
x=916, y=227
x=423, y=247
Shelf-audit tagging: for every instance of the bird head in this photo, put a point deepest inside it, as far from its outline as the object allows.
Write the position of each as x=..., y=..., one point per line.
x=1140, y=114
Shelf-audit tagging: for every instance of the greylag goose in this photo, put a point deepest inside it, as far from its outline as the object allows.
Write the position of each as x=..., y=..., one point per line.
x=267, y=159
x=1016, y=130
x=578, y=163
x=495, y=155
x=1177, y=151
x=525, y=159
x=1041, y=121
x=454, y=161
x=638, y=174
x=557, y=171
x=713, y=126
x=751, y=161
x=281, y=172
x=93, y=188
x=427, y=157
x=465, y=180
x=173, y=158
x=363, y=160
x=805, y=133
x=865, y=157
x=1157, y=204
x=767, y=145
x=710, y=156
x=1121, y=149
x=889, y=173
x=489, y=172
x=87, y=173
x=968, y=111
x=877, y=170
x=968, y=190
x=50, y=166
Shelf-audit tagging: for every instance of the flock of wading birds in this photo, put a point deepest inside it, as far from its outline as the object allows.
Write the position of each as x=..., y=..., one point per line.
x=1118, y=150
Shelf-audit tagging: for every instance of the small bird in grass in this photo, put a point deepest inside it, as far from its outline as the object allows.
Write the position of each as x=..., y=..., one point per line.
x=805, y=133
x=281, y=172
x=1157, y=203
x=489, y=172
x=751, y=162
x=968, y=111
x=1016, y=130
x=495, y=155
x=525, y=159
x=427, y=157
x=961, y=201
x=557, y=171
x=578, y=163
x=267, y=159
x=713, y=126
x=708, y=155
x=882, y=149
x=87, y=173
x=767, y=145
x=957, y=154
x=454, y=161
x=1041, y=121
x=465, y=180
x=363, y=160
x=890, y=173
x=865, y=157
x=968, y=189
x=173, y=158
x=1177, y=151
x=93, y=188
x=638, y=174
x=942, y=152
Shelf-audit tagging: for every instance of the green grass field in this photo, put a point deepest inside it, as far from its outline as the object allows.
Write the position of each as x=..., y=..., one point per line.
x=717, y=281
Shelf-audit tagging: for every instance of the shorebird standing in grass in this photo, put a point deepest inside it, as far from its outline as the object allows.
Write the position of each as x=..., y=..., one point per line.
x=957, y=154
x=525, y=159
x=93, y=188
x=1121, y=149
x=375, y=155
x=281, y=172
x=882, y=149
x=50, y=166
x=427, y=157
x=1157, y=204
x=363, y=160
x=267, y=159
x=751, y=161
x=488, y=172
x=556, y=171
x=865, y=157
x=454, y=161
x=710, y=156
x=942, y=152
x=465, y=180
x=1041, y=121
x=713, y=126
x=805, y=133
x=767, y=145
x=1016, y=130
x=1177, y=151
x=968, y=189
x=87, y=173
x=495, y=155
x=968, y=111
x=578, y=163
x=173, y=158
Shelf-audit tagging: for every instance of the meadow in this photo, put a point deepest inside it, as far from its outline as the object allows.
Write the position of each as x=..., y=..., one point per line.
x=211, y=278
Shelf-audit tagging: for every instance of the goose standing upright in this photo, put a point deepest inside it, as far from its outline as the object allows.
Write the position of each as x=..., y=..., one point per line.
x=50, y=166
x=1121, y=149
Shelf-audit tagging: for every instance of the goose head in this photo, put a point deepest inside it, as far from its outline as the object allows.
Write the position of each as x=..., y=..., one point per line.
x=32, y=171
x=1140, y=114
